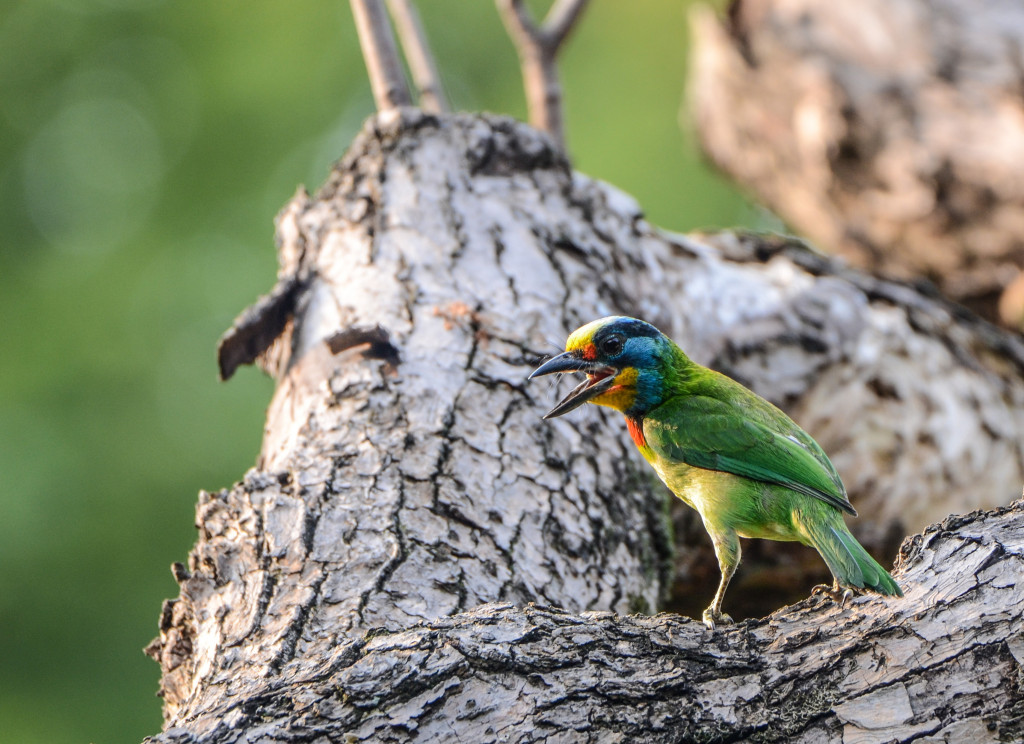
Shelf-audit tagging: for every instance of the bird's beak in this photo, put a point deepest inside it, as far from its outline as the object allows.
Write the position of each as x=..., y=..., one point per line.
x=599, y=379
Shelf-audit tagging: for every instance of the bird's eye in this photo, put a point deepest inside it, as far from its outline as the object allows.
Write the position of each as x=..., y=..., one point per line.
x=612, y=346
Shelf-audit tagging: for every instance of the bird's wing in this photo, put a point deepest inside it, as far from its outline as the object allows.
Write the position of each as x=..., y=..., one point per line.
x=744, y=437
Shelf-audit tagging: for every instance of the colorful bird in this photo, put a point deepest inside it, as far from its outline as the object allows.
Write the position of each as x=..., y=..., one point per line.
x=743, y=464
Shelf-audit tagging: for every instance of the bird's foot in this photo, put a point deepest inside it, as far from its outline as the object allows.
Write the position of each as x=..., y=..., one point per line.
x=713, y=617
x=836, y=593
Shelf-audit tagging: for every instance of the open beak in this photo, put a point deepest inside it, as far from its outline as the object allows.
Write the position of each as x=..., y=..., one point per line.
x=599, y=378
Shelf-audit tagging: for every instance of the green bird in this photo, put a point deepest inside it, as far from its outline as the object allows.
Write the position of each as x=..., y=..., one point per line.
x=743, y=464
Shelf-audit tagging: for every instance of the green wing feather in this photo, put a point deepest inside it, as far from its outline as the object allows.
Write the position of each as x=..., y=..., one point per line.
x=720, y=425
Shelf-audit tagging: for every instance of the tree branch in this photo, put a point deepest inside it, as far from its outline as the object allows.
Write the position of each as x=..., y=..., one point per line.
x=380, y=54
x=406, y=477
x=538, y=49
x=943, y=663
x=417, y=52
x=891, y=138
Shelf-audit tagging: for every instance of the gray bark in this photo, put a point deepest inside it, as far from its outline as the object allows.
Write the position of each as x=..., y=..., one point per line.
x=943, y=664
x=406, y=475
x=889, y=131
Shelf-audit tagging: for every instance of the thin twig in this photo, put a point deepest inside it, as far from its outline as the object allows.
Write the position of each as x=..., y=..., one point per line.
x=387, y=79
x=537, y=48
x=561, y=19
x=417, y=53
x=519, y=24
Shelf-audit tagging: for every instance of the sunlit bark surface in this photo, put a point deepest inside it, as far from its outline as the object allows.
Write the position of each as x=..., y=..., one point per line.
x=406, y=478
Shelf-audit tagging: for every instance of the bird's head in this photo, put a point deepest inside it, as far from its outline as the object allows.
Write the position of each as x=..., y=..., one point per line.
x=625, y=361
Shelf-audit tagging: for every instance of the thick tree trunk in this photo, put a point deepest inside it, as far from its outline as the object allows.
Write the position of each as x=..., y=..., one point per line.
x=406, y=475
x=887, y=130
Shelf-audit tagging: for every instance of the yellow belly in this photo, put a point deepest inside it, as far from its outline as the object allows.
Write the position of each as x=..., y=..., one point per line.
x=748, y=507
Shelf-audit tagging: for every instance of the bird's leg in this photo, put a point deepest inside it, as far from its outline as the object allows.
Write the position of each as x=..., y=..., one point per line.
x=727, y=550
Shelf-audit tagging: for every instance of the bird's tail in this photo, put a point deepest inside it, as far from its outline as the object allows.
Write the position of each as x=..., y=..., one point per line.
x=849, y=562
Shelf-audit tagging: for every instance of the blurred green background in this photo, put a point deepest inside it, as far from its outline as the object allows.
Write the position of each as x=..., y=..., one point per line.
x=146, y=147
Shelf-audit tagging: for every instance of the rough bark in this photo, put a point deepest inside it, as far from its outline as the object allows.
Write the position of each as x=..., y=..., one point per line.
x=887, y=130
x=945, y=663
x=406, y=475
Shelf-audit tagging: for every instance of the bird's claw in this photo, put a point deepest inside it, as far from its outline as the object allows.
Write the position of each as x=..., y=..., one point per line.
x=713, y=617
x=836, y=593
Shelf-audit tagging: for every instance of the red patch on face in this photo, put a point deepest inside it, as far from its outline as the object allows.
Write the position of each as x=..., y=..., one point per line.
x=636, y=430
x=590, y=352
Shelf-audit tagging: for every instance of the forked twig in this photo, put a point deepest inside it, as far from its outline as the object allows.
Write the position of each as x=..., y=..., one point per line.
x=538, y=47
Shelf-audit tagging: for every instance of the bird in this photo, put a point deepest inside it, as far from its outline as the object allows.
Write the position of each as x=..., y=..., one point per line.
x=745, y=466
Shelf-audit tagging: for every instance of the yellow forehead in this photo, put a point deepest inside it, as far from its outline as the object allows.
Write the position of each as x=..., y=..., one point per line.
x=583, y=336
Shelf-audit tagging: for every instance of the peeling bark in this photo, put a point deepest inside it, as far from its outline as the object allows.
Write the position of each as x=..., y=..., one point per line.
x=406, y=475
x=889, y=131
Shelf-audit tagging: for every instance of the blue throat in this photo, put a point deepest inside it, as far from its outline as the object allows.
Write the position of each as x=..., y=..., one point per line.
x=650, y=393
